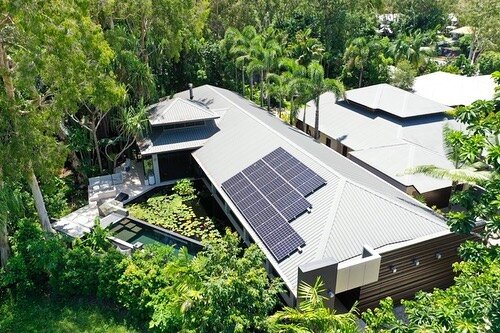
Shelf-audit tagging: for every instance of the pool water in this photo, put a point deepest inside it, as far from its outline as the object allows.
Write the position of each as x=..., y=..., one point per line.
x=133, y=231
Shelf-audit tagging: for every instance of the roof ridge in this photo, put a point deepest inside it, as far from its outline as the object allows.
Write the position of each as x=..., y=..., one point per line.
x=394, y=202
x=331, y=219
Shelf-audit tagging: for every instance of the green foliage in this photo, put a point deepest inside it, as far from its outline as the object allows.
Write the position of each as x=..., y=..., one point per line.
x=223, y=289
x=422, y=14
x=56, y=192
x=175, y=212
x=34, y=258
x=45, y=314
x=312, y=315
x=185, y=189
x=489, y=62
x=460, y=65
x=365, y=62
x=404, y=75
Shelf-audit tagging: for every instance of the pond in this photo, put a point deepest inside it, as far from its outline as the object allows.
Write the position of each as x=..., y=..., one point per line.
x=193, y=218
x=134, y=231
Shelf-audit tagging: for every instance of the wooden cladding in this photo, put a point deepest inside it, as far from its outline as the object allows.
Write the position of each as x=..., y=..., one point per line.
x=409, y=277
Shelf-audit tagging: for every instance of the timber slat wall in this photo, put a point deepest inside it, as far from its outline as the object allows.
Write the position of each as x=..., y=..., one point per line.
x=429, y=274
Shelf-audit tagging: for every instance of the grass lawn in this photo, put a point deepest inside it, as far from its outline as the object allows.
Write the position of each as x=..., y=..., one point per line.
x=41, y=314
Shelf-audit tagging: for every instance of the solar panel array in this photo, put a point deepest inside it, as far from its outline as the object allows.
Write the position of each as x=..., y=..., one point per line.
x=268, y=202
x=298, y=175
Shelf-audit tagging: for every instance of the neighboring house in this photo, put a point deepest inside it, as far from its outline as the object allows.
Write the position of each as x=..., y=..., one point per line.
x=366, y=239
x=387, y=130
x=454, y=90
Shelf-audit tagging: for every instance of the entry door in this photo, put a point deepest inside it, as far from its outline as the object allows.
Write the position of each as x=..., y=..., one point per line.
x=175, y=165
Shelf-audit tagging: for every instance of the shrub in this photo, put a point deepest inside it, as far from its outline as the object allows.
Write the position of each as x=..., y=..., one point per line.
x=489, y=62
x=404, y=75
x=35, y=256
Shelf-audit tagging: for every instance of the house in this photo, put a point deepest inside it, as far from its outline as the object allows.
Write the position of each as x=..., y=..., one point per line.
x=311, y=211
x=387, y=130
x=454, y=90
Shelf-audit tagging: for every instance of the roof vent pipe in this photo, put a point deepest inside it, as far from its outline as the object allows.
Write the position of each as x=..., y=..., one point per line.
x=190, y=85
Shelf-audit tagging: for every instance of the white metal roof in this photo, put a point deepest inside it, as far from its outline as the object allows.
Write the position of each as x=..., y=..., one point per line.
x=353, y=209
x=452, y=89
x=178, y=110
x=394, y=160
x=395, y=101
x=363, y=130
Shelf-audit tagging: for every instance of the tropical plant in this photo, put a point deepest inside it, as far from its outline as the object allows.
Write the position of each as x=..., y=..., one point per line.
x=240, y=46
x=311, y=314
x=357, y=56
x=130, y=124
x=404, y=75
x=318, y=85
x=265, y=53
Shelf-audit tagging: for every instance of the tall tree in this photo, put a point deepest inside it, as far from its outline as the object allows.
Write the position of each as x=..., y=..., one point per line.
x=483, y=17
x=318, y=85
x=51, y=59
x=356, y=56
x=130, y=124
x=240, y=47
x=265, y=53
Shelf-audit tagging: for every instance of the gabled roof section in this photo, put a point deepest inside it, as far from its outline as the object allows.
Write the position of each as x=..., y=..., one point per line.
x=395, y=101
x=179, y=110
x=416, y=139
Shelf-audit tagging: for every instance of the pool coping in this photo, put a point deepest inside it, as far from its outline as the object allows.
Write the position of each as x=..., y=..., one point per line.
x=170, y=232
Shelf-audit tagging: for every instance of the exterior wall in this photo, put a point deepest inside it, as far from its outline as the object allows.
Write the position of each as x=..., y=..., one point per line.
x=382, y=175
x=408, y=279
x=335, y=144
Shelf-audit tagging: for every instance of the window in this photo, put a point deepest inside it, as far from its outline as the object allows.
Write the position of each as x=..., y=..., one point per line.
x=344, y=150
x=181, y=125
x=329, y=142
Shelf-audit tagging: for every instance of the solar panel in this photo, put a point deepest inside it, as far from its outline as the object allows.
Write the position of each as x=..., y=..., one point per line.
x=270, y=193
x=271, y=227
x=295, y=172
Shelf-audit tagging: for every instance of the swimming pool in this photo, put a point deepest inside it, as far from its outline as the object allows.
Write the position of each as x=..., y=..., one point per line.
x=137, y=232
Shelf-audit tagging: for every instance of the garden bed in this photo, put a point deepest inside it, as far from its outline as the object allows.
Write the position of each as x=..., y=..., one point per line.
x=185, y=208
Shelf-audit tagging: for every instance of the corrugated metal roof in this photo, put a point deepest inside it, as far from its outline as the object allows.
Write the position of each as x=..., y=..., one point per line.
x=178, y=110
x=395, y=101
x=247, y=133
x=361, y=130
x=452, y=89
x=163, y=141
x=398, y=158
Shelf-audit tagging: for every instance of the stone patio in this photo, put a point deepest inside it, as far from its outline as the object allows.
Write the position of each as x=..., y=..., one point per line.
x=106, y=187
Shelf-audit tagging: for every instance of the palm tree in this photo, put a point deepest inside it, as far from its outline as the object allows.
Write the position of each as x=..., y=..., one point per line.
x=312, y=315
x=294, y=78
x=408, y=47
x=319, y=85
x=357, y=55
x=240, y=43
x=265, y=52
